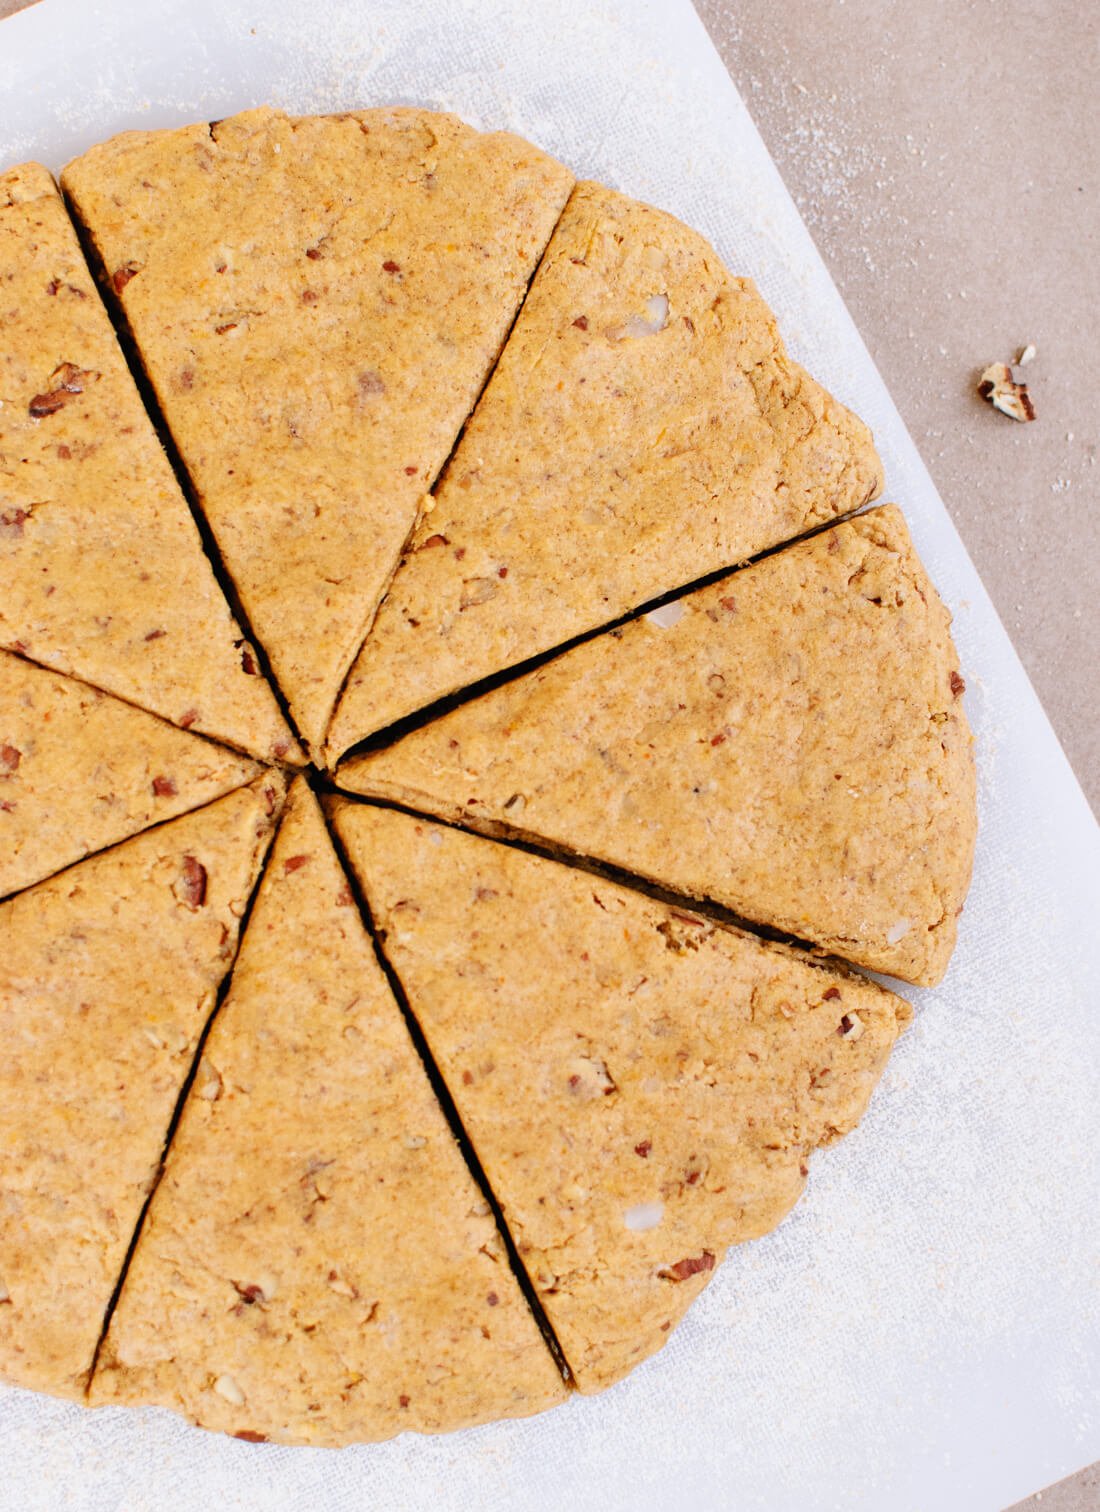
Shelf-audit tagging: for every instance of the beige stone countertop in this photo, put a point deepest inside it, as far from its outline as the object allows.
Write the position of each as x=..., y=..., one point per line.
x=944, y=158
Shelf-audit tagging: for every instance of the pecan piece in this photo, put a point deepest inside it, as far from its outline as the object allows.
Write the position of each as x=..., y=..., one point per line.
x=65, y=381
x=190, y=889
x=655, y=319
x=12, y=521
x=10, y=757
x=666, y=616
x=230, y=1389
x=589, y=1077
x=683, y=1270
x=122, y=276
x=210, y=1087
x=477, y=590
x=1004, y=393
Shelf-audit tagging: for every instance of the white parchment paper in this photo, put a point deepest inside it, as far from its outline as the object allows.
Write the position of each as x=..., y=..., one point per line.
x=924, y=1331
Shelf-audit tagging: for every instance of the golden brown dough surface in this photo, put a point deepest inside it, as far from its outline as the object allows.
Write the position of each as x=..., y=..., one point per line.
x=80, y=770
x=643, y=1087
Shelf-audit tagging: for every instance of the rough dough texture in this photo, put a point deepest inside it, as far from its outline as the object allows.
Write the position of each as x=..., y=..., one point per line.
x=643, y=428
x=789, y=742
x=318, y=302
x=318, y=1265
x=107, y=976
x=102, y=571
x=643, y=1087
x=80, y=770
x=292, y=1235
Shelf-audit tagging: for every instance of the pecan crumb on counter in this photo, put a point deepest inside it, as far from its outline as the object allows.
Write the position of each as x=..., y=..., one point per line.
x=1004, y=392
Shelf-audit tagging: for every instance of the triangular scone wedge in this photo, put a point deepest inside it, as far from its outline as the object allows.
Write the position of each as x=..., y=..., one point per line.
x=80, y=770
x=318, y=302
x=642, y=1087
x=643, y=428
x=108, y=974
x=789, y=743
x=317, y=1265
x=102, y=570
